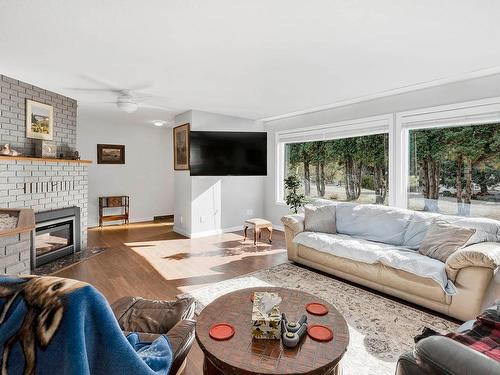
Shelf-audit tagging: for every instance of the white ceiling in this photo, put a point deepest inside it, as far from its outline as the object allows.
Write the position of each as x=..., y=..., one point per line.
x=252, y=59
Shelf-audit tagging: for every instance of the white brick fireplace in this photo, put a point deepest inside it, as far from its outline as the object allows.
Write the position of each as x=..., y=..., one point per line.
x=45, y=185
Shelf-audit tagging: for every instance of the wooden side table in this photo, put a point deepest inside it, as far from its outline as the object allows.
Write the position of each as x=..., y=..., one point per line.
x=242, y=355
x=114, y=202
x=257, y=225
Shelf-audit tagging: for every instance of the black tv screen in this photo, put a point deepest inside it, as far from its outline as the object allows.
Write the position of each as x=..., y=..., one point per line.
x=215, y=153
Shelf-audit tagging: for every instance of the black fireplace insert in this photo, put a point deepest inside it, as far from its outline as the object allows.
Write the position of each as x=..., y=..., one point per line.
x=57, y=234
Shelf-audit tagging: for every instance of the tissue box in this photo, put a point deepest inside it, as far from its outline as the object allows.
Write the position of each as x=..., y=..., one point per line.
x=265, y=327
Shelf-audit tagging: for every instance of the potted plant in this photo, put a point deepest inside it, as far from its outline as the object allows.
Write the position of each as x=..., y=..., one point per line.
x=293, y=199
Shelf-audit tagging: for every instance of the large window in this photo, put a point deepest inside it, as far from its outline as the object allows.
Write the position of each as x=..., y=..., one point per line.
x=346, y=169
x=455, y=170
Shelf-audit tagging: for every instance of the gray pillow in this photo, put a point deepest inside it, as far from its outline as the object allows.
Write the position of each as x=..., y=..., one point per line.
x=443, y=239
x=320, y=219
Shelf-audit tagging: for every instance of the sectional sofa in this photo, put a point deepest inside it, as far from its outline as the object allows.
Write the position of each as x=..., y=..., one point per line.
x=377, y=246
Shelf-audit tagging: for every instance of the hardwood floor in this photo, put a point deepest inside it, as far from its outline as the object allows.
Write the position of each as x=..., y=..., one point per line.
x=152, y=261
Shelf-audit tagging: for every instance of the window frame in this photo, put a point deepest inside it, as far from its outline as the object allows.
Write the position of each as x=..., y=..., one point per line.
x=478, y=112
x=398, y=126
x=337, y=130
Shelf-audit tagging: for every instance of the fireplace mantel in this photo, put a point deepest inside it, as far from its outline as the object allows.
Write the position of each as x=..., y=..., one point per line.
x=35, y=159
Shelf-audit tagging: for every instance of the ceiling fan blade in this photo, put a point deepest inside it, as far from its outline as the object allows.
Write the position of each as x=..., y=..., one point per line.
x=93, y=89
x=99, y=82
x=144, y=105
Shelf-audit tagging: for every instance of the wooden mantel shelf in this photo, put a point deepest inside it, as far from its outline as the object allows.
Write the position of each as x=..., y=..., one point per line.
x=32, y=158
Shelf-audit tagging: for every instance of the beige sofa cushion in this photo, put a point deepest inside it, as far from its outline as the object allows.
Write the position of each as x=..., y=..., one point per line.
x=444, y=239
x=320, y=219
x=378, y=274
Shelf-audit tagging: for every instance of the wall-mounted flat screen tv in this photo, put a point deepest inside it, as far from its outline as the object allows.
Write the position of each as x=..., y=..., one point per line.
x=213, y=153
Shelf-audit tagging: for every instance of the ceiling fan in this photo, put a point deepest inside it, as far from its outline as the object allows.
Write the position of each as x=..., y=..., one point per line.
x=127, y=99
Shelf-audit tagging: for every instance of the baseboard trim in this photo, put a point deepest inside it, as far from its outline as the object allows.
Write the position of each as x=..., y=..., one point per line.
x=280, y=227
x=181, y=232
x=119, y=222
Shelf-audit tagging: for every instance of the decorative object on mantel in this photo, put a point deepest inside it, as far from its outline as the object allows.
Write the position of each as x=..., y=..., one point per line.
x=114, y=202
x=45, y=149
x=39, y=120
x=110, y=154
x=75, y=155
x=181, y=147
x=7, y=151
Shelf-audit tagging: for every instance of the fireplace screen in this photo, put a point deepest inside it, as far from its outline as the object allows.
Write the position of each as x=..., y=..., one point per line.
x=52, y=239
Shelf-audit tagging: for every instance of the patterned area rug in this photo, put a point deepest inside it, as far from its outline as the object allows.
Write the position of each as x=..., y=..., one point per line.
x=380, y=329
x=69, y=260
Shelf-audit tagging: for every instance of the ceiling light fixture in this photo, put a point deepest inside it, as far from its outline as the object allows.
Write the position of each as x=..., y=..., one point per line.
x=158, y=123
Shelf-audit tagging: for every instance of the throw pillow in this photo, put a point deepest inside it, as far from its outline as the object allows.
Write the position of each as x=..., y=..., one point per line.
x=443, y=239
x=320, y=219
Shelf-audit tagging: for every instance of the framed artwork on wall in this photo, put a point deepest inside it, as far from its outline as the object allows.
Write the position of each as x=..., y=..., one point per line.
x=110, y=154
x=181, y=147
x=39, y=120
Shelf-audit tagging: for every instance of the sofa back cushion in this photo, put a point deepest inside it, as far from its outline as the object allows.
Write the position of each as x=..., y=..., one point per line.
x=419, y=224
x=487, y=230
x=319, y=219
x=373, y=222
x=443, y=239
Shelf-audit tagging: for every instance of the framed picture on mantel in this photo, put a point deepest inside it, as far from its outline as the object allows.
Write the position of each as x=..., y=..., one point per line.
x=181, y=148
x=39, y=120
x=110, y=154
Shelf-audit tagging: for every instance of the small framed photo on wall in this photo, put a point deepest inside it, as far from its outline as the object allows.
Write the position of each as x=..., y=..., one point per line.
x=110, y=154
x=39, y=120
x=181, y=147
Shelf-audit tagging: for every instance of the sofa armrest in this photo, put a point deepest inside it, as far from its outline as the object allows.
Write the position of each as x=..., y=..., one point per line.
x=293, y=225
x=407, y=365
x=293, y=222
x=483, y=254
x=181, y=338
x=442, y=355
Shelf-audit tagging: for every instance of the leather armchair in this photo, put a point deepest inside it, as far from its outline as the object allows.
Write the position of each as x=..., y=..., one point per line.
x=441, y=355
x=151, y=318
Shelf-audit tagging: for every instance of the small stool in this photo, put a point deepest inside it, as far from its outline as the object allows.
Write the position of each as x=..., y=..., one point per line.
x=257, y=225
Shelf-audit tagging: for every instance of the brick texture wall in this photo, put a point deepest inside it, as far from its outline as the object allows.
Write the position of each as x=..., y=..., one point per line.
x=13, y=95
x=70, y=182
x=15, y=254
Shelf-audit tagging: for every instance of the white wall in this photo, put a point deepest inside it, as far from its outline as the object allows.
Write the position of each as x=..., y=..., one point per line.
x=218, y=203
x=147, y=175
x=473, y=89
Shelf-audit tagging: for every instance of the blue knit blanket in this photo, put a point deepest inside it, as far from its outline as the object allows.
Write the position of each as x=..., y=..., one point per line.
x=54, y=326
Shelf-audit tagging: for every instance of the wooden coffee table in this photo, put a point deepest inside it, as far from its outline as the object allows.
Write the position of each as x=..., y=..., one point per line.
x=243, y=355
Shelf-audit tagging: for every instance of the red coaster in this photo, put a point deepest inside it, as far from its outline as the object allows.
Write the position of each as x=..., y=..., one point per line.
x=316, y=308
x=221, y=331
x=319, y=333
